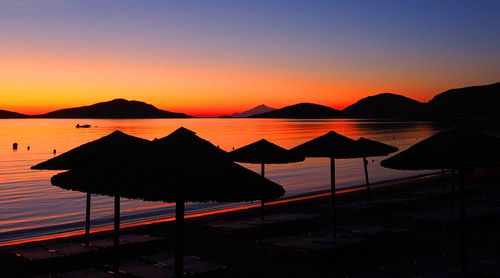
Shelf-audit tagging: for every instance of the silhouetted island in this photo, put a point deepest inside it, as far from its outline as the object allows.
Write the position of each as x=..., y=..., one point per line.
x=475, y=101
x=254, y=111
x=462, y=103
x=114, y=109
x=4, y=114
x=384, y=105
x=302, y=111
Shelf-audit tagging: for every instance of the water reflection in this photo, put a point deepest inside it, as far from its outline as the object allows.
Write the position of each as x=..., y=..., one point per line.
x=30, y=206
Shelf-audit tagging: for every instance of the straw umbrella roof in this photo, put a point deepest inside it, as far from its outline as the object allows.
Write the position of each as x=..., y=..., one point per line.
x=264, y=152
x=456, y=148
x=116, y=146
x=331, y=145
x=367, y=148
x=179, y=166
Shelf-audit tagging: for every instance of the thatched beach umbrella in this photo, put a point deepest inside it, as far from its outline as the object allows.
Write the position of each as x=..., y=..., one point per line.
x=116, y=146
x=179, y=168
x=264, y=152
x=367, y=148
x=457, y=148
x=332, y=145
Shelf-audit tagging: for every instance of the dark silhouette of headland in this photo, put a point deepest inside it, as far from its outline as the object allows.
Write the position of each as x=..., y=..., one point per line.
x=11, y=115
x=302, y=111
x=462, y=103
x=476, y=102
x=114, y=109
x=384, y=105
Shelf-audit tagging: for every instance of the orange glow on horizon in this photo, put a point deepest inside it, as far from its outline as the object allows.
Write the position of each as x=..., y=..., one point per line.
x=37, y=84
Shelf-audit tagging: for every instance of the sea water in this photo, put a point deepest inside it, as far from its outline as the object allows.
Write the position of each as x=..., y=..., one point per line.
x=30, y=207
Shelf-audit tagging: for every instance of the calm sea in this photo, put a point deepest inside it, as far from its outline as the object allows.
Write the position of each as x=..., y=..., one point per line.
x=31, y=207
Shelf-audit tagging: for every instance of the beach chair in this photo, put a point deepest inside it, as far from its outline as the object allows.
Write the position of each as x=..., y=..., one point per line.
x=304, y=245
x=34, y=254
x=410, y=269
x=192, y=265
x=280, y=218
x=431, y=194
x=231, y=227
x=363, y=205
x=145, y=270
x=138, y=239
x=103, y=243
x=361, y=231
x=320, y=244
x=251, y=224
x=373, y=274
x=487, y=267
x=490, y=199
x=447, y=217
x=86, y=273
x=70, y=248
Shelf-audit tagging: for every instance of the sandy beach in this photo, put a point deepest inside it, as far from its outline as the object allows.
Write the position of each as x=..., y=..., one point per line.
x=403, y=209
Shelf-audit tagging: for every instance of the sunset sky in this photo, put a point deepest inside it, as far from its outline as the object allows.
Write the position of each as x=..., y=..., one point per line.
x=213, y=57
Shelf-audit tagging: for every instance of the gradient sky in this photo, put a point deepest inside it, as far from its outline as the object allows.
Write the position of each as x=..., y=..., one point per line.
x=210, y=57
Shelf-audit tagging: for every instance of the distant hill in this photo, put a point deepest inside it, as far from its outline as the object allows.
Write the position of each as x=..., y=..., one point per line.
x=301, y=111
x=11, y=115
x=476, y=101
x=384, y=105
x=115, y=109
x=254, y=111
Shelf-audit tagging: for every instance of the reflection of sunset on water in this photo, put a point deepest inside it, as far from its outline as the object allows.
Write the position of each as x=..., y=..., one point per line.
x=63, y=211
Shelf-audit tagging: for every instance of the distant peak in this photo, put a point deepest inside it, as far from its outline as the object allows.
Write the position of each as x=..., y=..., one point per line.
x=262, y=106
x=119, y=100
x=117, y=133
x=182, y=130
x=387, y=94
x=307, y=104
x=254, y=111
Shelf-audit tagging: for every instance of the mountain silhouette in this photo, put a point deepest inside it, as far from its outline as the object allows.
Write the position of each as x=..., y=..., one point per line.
x=469, y=102
x=301, y=111
x=114, y=109
x=11, y=115
x=254, y=111
x=475, y=101
x=384, y=105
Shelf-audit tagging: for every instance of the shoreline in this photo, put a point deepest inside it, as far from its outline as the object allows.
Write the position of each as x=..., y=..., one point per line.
x=224, y=213
x=249, y=253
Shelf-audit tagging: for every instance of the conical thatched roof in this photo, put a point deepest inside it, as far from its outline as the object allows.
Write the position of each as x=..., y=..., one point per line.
x=265, y=152
x=367, y=148
x=180, y=166
x=455, y=148
x=115, y=146
x=331, y=145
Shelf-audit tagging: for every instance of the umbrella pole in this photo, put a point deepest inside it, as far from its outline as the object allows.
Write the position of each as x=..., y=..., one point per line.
x=462, y=222
x=365, y=164
x=262, y=172
x=87, y=219
x=332, y=185
x=453, y=189
x=179, y=238
x=116, y=267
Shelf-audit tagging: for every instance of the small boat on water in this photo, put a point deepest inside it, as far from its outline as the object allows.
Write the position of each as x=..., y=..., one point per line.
x=82, y=126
